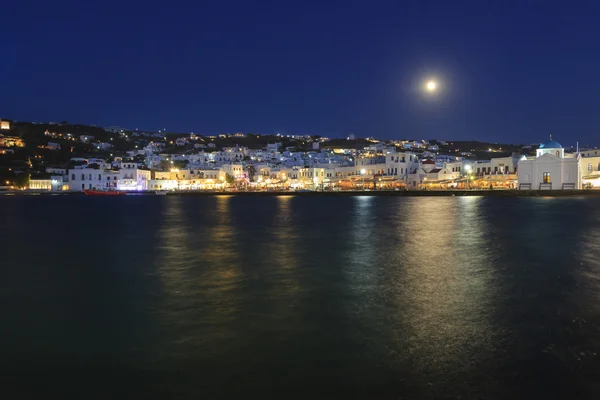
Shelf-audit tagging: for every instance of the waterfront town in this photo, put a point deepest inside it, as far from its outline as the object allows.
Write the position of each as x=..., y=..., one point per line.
x=59, y=157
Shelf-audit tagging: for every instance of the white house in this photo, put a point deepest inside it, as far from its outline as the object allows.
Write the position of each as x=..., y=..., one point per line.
x=235, y=170
x=104, y=146
x=429, y=172
x=56, y=171
x=92, y=178
x=550, y=169
x=399, y=164
x=129, y=177
x=86, y=138
x=54, y=184
x=132, y=178
x=273, y=147
x=311, y=176
x=590, y=170
x=590, y=153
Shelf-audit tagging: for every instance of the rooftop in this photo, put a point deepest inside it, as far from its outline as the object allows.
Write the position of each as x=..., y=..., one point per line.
x=550, y=144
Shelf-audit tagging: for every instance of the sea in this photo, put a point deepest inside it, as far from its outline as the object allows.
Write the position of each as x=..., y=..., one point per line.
x=185, y=297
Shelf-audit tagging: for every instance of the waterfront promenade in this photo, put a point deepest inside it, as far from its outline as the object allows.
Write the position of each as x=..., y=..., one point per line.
x=394, y=193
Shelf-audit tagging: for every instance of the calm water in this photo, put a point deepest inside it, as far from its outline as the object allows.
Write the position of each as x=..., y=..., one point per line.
x=312, y=297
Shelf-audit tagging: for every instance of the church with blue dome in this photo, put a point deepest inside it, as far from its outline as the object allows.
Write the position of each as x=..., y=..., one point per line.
x=550, y=169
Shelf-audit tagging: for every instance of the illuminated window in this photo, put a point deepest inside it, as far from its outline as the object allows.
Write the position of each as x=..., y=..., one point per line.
x=589, y=167
x=547, y=177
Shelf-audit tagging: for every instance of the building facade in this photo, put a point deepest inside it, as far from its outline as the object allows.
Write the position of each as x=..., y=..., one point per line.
x=550, y=169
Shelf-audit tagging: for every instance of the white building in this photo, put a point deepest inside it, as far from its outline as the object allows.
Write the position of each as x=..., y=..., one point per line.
x=235, y=170
x=54, y=184
x=590, y=169
x=400, y=164
x=550, y=169
x=129, y=177
x=181, y=141
x=132, y=178
x=56, y=171
x=114, y=129
x=104, y=146
x=92, y=178
x=590, y=153
x=446, y=174
x=273, y=147
x=311, y=176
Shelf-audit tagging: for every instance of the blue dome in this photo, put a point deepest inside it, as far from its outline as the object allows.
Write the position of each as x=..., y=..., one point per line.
x=550, y=144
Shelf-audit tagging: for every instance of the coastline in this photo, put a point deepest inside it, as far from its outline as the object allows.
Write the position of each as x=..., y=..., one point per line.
x=405, y=193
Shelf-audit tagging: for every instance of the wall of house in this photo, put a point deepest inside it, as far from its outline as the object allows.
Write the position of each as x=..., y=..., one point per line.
x=589, y=165
x=561, y=170
x=89, y=178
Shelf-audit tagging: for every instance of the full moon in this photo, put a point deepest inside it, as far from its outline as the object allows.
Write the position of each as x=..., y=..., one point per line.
x=431, y=86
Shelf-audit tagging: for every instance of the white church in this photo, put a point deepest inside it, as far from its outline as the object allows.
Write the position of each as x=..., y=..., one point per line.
x=550, y=169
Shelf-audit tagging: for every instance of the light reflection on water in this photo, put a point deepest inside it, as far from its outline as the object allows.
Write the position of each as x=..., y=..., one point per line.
x=449, y=269
x=385, y=297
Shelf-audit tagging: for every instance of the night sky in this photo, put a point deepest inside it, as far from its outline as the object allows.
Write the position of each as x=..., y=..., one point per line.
x=509, y=71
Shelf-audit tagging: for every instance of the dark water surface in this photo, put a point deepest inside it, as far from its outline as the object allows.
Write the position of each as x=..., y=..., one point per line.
x=312, y=297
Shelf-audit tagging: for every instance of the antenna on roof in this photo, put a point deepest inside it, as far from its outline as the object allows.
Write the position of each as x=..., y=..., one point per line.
x=550, y=136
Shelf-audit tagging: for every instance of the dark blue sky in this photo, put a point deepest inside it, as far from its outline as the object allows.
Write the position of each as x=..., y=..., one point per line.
x=511, y=71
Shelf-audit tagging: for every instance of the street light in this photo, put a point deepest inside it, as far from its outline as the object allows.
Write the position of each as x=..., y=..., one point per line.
x=362, y=173
x=468, y=168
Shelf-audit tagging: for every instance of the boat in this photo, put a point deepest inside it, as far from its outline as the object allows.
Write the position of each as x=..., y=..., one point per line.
x=161, y=192
x=90, y=192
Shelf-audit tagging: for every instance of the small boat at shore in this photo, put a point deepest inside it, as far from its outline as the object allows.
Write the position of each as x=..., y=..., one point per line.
x=90, y=192
x=161, y=192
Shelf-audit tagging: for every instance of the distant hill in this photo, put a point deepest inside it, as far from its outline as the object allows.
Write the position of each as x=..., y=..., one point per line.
x=33, y=133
